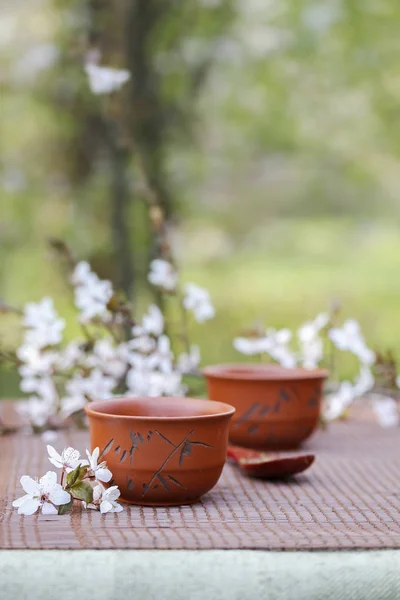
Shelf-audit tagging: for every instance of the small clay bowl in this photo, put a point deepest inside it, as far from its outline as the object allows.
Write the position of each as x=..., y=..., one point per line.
x=161, y=451
x=276, y=408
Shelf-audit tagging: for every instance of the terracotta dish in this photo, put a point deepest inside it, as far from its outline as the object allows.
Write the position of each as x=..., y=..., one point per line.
x=269, y=466
x=276, y=408
x=161, y=451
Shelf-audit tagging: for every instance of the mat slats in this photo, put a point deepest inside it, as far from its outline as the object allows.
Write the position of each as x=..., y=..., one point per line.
x=349, y=499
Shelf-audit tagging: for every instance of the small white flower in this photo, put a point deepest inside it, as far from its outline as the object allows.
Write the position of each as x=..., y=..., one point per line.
x=81, y=273
x=36, y=411
x=276, y=344
x=99, y=386
x=189, y=361
x=142, y=343
x=68, y=460
x=36, y=362
x=337, y=402
x=71, y=356
x=152, y=323
x=104, y=80
x=97, y=494
x=44, y=327
x=49, y=436
x=108, y=502
x=71, y=405
x=163, y=354
x=197, y=300
x=386, y=410
x=311, y=345
x=46, y=494
x=162, y=274
x=110, y=359
x=349, y=338
x=364, y=382
x=91, y=293
x=99, y=471
x=251, y=346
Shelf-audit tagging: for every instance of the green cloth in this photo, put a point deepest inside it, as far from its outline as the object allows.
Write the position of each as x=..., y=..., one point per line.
x=198, y=575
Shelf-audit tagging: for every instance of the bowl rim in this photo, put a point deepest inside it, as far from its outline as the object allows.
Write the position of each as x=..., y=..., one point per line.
x=90, y=409
x=262, y=372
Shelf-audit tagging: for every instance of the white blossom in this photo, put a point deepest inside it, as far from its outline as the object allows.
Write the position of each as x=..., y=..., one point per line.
x=276, y=343
x=70, y=356
x=36, y=410
x=108, y=501
x=96, y=385
x=43, y=326
x=337, y=402
x=310, y=342
x=71, y=405
x=197, y=300
x=99, y=471
x=152, y=323
x=91, y=293
x=251, y=346
x=50, y=435
x=142, y=343
x=163, y=354
x=68, y=460
x=142, y=382
x=349, y=338
x=111, y=359
x=46, y=494
x=189, y=361
x=364, y=382
x=104, y=80
x=386, y=410
x=36, y=362
x=163, y=274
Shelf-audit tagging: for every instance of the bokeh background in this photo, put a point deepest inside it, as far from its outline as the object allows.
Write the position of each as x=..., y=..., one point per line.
x=268, y=132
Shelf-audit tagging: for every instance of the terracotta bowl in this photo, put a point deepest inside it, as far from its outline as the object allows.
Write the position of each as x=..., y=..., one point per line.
x=161, y=451
x=276, y=408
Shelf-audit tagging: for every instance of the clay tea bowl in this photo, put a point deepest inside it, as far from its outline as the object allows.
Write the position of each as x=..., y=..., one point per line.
x=276, y=408
x=161, y=451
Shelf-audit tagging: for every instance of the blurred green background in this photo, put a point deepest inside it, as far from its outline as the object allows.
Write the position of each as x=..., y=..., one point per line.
x=268, y=133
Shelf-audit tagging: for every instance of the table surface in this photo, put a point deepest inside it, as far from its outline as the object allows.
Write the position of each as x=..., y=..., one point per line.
x=349, y=499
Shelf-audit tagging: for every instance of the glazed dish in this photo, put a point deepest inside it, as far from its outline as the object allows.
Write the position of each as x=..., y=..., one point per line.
x=161, y=451
x=276, y=408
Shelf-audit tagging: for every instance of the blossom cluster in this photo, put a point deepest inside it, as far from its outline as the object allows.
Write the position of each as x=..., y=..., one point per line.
x=61, y=378
x=307, y=349
x=81, y=480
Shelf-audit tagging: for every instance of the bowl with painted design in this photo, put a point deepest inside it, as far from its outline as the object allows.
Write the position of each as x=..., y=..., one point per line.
x=276, y=408
x=161, y=451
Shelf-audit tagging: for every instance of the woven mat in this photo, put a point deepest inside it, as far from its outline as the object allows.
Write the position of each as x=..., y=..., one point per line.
x=349, y=499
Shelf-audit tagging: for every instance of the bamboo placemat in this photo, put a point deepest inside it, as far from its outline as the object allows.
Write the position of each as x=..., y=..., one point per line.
x=349, y=499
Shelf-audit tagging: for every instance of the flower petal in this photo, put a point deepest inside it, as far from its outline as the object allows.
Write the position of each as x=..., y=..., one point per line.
x=49, y=479
x=118, y=507
x=17, y=503
x=29, y=485
x=105, y=506
x=53, y=453
x=103, y=475
x=55, y=462
x=49, y=509
x=59, y=496
x=95, y=455
x=112, y=493
x=29, y=507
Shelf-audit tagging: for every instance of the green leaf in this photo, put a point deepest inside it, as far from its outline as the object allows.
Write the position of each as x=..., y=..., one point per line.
x=64, y=508
x=76, y=476
x=73, y=477
x=82, y=491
